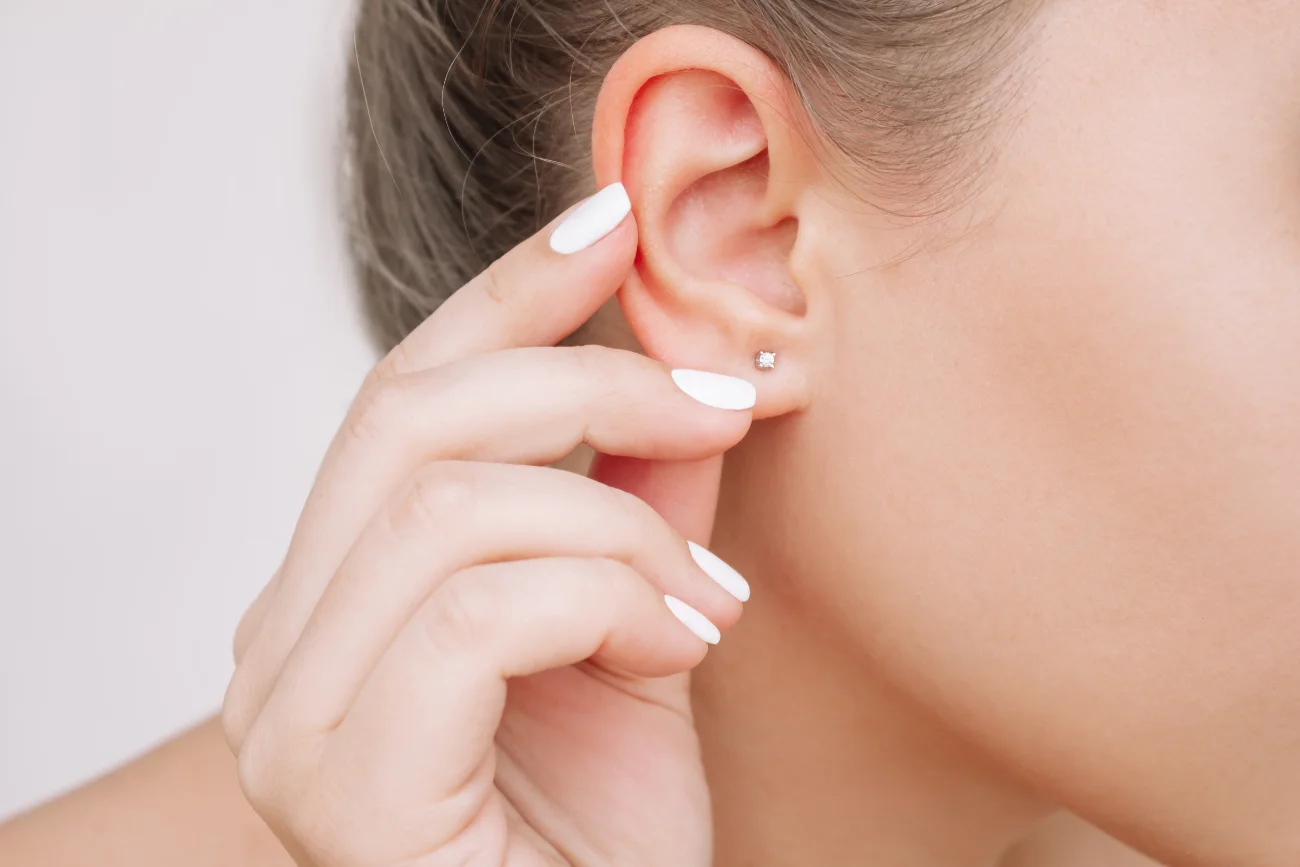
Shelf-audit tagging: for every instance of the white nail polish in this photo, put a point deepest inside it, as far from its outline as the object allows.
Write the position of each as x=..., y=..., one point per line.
x=694, y=620
x=731, y=580
x=592, y=220
x=716, y=389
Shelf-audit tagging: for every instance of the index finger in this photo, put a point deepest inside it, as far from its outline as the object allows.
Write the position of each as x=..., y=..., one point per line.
x=535, y=295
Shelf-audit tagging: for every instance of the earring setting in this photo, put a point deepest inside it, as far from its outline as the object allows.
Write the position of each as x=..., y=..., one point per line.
x=765, y=360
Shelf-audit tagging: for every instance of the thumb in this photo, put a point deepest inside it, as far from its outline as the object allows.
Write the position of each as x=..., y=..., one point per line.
x=684, y=493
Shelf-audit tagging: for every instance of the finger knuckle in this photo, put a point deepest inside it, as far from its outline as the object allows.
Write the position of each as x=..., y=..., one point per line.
x=249, y=625
x=635, y=527
x=615, y=573
x=628, y=511
x=236, y=712
x=593, y=360
x=461, y=614
x=438, y=498
x=496, y=285
x=613, y=584
x=394, y=363
x=380, y=408
x=603, y=374
x=242, y=639
x=257, y=770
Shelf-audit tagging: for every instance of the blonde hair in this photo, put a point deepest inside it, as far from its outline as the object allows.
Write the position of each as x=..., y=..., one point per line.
x=469, y=120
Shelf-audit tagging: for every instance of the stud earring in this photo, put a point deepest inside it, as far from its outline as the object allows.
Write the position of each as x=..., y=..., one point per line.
x=765, y=360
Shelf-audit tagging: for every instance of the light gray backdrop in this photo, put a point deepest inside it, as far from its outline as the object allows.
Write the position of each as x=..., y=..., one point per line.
x=177, y=341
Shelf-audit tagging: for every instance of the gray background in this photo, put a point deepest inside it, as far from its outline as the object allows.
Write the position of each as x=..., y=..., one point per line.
x=177, y=342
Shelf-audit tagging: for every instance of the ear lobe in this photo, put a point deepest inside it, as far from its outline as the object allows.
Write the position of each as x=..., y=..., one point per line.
x=696, y=126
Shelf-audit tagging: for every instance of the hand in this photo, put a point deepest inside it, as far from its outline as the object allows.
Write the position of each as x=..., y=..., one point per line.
x=468, y=657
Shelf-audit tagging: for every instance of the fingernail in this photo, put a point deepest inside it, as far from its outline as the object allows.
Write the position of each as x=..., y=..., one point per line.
x=731, y=580
x=694, y=620
x=592, y=220
x=716, y=389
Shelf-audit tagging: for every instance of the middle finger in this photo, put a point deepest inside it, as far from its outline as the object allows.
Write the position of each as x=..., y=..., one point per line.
x=454, y=516
x=517, y=406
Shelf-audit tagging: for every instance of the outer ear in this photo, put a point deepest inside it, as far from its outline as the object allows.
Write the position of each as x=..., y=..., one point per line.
x=702, y=130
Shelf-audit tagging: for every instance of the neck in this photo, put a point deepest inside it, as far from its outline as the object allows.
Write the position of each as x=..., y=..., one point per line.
x=812, y=758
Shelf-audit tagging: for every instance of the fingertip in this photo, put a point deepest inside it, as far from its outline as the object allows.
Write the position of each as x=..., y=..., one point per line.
x=717, y=390
x=718, y=569
x=591, y=221
x=693, y=620
x=588, y=270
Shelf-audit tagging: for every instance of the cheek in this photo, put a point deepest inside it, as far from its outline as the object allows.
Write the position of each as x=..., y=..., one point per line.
x=1077, y=508
x=1065, y=483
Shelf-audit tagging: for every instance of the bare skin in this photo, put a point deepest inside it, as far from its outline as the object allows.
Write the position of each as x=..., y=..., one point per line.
x=181, y=804
x=551, y=783
x=1020, y=511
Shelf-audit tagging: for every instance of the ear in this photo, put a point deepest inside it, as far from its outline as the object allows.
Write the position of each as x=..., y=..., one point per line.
x=703, y=131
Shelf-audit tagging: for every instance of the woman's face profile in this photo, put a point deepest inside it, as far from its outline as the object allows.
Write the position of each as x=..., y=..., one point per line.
x=1060, y=445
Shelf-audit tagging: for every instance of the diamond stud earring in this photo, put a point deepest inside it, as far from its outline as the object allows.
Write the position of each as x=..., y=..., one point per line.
x=765, y=360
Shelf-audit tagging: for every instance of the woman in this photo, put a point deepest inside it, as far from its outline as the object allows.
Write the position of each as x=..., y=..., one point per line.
x=993, y=308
